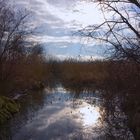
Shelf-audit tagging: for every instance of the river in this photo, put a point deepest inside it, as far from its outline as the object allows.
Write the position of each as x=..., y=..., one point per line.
x=56, y=114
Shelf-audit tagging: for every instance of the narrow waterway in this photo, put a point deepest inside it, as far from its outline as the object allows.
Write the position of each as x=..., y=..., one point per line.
x=60, y=114
x=56, y=115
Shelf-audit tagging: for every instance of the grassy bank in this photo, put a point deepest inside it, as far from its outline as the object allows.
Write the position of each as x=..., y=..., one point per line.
x=7, y=108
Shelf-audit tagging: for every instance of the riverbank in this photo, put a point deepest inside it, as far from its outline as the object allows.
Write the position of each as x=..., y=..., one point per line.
x=8, y=107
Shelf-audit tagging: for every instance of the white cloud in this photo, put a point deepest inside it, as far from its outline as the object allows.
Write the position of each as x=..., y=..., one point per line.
x=83, y=13
x=81, y=58
x=56, y=20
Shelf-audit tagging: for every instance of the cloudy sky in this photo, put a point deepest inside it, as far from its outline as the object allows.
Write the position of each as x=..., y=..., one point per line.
x=56, y=21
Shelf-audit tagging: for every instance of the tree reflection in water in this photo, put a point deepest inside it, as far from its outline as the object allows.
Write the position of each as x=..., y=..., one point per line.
x=61, y=114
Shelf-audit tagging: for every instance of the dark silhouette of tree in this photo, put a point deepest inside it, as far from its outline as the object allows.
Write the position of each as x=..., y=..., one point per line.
x=12, y=36
x=120, y=29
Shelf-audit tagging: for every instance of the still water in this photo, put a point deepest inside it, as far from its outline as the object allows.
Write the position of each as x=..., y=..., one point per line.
x=56, y=115
x=60, y=114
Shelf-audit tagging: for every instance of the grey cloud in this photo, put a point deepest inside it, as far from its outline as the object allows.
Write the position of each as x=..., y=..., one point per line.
x=49, y=24
x=62, y=3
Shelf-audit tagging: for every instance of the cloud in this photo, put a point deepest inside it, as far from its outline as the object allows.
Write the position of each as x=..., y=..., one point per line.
x=63, y=3
x=56, y=21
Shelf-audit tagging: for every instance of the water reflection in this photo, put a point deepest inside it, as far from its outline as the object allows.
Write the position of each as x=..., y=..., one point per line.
x=57, y=114
x=90, y=115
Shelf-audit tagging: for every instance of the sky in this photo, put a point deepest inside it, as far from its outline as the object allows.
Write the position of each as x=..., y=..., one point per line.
x=57, y=21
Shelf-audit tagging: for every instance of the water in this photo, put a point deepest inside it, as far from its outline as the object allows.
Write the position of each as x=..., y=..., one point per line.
x=56, y=115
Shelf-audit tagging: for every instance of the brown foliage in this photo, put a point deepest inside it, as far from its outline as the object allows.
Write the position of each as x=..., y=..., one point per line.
x=21, y=67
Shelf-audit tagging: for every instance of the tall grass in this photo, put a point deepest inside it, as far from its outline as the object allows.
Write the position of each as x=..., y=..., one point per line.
x=25, y=73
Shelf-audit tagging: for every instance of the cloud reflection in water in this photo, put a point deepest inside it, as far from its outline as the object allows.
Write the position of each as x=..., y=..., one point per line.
x=62, y=117
x=90, y=115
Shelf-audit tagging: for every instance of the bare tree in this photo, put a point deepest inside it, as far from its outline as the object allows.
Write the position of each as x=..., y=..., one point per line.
x=21, y=61
x=12, y=36
x=120, y=29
